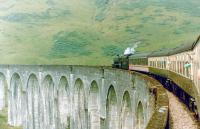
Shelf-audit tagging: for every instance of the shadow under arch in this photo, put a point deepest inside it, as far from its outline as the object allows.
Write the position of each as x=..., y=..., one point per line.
x=140, y=116
x=81, y=119
x=47, y=108
x=112, y=115
x=3, y=91
x=33, y=102
x=16, y=98
x=63, y=104
x=126, y=112
x=94, y=106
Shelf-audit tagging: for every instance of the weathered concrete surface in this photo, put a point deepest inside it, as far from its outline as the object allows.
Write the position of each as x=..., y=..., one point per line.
x=75, y=97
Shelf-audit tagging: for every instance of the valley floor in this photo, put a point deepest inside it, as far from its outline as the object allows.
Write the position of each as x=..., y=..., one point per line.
x=3, y=120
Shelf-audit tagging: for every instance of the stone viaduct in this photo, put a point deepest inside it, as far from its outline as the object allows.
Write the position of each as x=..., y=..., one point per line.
x=80, y=97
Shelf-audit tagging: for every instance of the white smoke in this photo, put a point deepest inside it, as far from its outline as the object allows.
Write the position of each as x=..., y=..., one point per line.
x=131, y=50
x=128, y=51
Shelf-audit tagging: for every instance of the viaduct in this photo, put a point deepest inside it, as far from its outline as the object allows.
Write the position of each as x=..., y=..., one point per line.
x=81, y=97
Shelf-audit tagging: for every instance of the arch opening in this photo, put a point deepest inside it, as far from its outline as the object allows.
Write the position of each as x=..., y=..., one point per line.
x=80, y=109
x=3, y=92
x=33, y=102
x=94, y=106
x=111, y=109
x=16, y=100
x=140, y=116
x=126, y=112
x=63, y=104
x=48, y=108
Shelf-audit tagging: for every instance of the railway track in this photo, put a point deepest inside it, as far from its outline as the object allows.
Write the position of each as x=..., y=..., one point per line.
x=180, y=117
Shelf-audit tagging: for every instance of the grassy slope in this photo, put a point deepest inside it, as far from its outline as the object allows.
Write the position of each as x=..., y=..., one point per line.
x=3, y=120
x=91, y=32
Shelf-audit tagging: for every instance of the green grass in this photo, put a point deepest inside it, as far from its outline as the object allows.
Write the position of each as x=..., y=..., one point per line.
x=89, y=32
x=72, y=43
x=3, y=120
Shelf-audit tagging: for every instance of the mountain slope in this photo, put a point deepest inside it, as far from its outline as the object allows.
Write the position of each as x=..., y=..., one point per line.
x=92, y=31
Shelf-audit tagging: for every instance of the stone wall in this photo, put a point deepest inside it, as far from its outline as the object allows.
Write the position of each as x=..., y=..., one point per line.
x=76, y=97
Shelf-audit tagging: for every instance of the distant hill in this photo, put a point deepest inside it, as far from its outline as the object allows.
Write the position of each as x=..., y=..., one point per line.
x=91, y=32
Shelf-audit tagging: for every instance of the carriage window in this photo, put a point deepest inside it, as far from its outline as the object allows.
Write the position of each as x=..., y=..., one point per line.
x=187, y=67
x=164, y=64
x=156, y=64
x=171, y=65
x=187, y=72
x=174, y=65
x=182, y=68
x=178, y=67
x=159, y=64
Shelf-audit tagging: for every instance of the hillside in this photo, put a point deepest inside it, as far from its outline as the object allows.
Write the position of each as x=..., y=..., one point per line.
x=91, y=32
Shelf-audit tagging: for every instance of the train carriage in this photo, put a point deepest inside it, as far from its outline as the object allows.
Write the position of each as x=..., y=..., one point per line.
x=139, y=62
x=177, y=69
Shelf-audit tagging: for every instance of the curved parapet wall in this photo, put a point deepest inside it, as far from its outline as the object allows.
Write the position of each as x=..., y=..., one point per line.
x=81, y=97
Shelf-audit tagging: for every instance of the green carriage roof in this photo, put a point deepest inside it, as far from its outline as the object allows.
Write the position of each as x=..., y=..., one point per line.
x=167, y=52
x=141, y=55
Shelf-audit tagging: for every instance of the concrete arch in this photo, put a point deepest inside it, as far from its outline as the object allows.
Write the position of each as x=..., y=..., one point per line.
x=63, y=104
x=33, y=102
x=140, y=116
x=80, y=109
x=112, y=114
x=94, y=106
x=126, y=112
x=116, y=88
x=16, y=97
x=48, y=107
x=3, y=92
